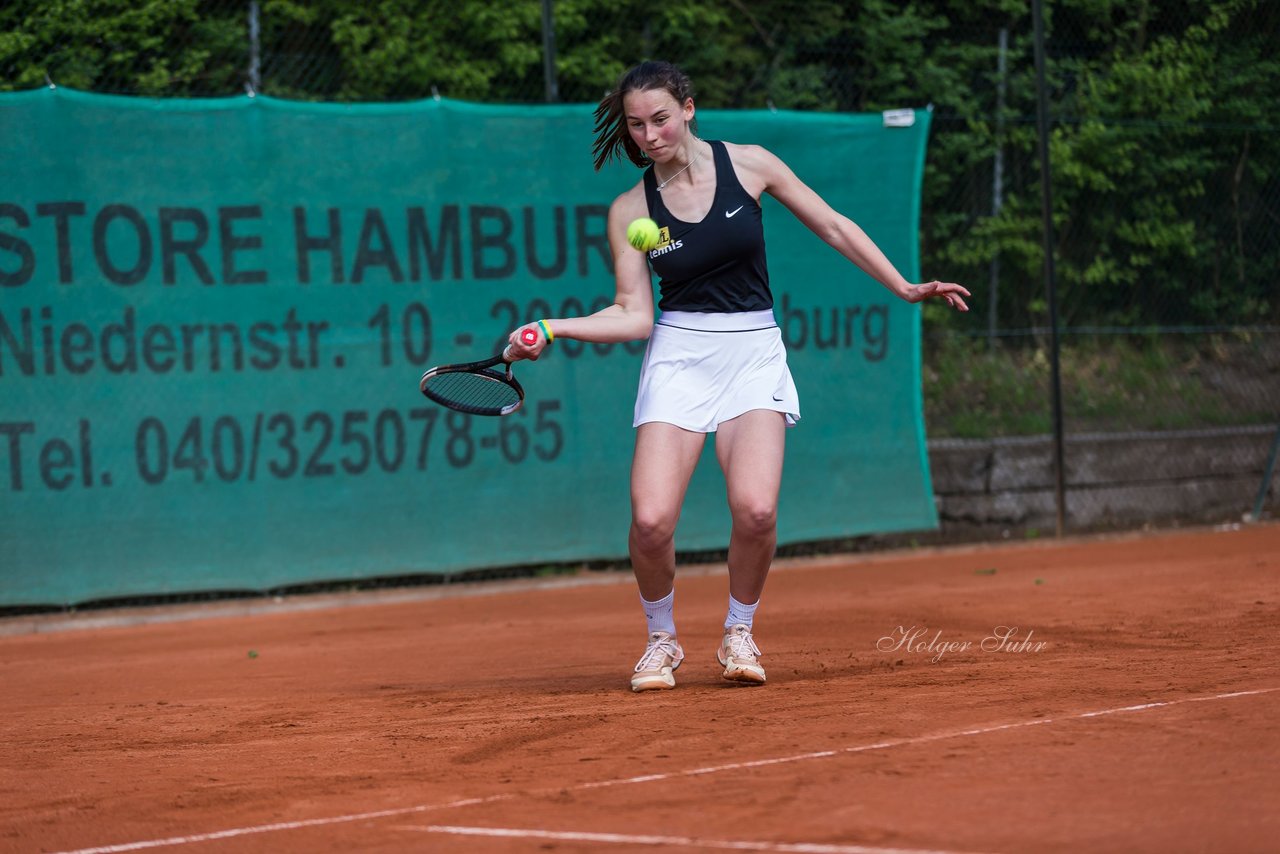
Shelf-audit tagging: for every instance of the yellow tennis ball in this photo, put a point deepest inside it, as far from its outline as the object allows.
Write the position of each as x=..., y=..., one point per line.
x=643, y=234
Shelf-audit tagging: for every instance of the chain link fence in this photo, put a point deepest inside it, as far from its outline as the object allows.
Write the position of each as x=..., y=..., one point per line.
x=1166, y=186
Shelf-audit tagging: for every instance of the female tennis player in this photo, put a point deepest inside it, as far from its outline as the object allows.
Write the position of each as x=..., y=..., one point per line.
x=715, y=360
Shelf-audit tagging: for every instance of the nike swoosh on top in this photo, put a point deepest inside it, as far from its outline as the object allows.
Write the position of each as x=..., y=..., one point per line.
x=728, y=214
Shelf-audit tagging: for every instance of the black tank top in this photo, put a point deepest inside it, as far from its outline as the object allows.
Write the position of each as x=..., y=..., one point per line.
x=717, y=265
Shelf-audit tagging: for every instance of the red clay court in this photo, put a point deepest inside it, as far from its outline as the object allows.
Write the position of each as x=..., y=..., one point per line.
x=1135, y=708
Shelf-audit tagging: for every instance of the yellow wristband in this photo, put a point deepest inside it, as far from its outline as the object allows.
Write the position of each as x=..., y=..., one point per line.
x=546, y=330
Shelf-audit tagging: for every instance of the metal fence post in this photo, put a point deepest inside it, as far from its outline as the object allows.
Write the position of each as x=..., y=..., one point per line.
x=1046, y=200
x=1267, y=471
x=255, y=66
x=549, y=53
x=997, y=186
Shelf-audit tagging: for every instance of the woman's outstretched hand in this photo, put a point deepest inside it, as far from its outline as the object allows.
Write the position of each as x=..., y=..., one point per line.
x=954, y=294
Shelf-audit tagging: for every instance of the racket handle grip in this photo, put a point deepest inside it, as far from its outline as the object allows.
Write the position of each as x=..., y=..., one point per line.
x=528, y=336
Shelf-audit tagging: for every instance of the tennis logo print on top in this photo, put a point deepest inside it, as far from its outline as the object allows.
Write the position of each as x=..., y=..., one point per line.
x=665, y=244
x=720, y=265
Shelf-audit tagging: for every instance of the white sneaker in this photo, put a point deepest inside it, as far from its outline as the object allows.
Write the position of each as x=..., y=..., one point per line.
x=656, y=668
x=740, y=656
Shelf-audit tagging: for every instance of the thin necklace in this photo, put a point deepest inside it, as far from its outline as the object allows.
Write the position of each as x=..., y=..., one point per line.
x=677, y=175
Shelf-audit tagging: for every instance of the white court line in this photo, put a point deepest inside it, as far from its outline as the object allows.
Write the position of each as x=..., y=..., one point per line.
x=283, y=825
x=647, y=778
x=665, y=841
x=907, y=742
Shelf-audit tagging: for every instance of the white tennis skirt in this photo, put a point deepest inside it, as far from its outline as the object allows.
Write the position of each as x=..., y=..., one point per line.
x=703, y=369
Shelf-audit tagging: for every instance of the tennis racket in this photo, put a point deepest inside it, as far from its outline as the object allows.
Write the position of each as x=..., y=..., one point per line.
x=476, y=387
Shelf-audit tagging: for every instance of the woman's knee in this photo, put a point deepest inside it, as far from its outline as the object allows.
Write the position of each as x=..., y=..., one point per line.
x=653, y=528
x=755, y=518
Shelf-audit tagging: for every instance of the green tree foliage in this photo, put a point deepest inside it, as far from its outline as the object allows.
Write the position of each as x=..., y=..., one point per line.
x=1165, y=190
x=169, y=48
x=1166, y=160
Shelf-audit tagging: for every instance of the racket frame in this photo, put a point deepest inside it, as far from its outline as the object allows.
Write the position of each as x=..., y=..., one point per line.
x=485, y=370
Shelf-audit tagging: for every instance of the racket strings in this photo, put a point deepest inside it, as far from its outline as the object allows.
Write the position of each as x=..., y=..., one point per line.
x=472, y=392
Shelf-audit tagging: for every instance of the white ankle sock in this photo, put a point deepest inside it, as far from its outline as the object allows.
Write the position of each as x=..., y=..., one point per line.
x=739, y=613
x=660, y=614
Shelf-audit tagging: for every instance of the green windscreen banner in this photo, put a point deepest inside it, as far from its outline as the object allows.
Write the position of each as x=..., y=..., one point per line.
x=214, y=315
